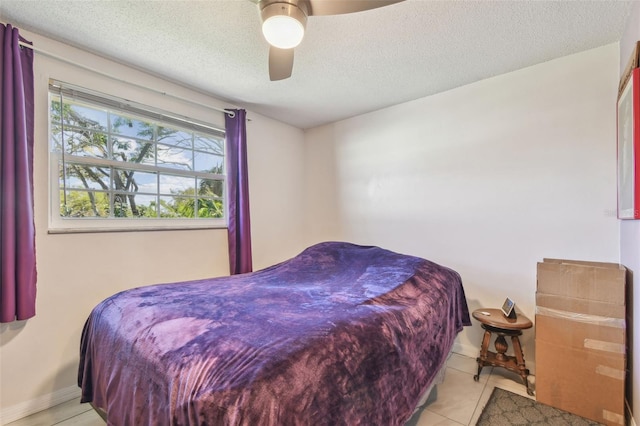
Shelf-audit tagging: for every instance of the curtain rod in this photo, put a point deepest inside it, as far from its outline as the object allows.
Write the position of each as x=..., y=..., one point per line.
x=120, y=80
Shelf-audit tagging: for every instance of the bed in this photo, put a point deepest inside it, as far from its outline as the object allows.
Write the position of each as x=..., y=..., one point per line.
x=339, y=335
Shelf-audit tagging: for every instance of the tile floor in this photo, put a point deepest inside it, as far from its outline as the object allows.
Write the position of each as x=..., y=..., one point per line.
x=459, y=400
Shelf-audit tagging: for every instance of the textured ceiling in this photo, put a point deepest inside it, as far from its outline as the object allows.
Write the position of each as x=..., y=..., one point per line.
x=346, y=65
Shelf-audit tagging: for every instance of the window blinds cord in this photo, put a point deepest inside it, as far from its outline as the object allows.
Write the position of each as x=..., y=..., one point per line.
x=64, y=161
x=118, y=79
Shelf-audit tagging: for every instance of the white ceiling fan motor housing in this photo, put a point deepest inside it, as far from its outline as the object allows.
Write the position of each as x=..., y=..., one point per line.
x=283, y=24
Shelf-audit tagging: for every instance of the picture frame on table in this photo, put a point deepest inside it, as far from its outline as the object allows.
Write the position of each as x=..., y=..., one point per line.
x=508, y=308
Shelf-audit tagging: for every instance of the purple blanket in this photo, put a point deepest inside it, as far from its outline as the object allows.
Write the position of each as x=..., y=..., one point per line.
x=339, y=335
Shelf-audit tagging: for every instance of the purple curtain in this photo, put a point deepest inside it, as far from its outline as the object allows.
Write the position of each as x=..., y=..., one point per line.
x=238, y=184
x=17, y=230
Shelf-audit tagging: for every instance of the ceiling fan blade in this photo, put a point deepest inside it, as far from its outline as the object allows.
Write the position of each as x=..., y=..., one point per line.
x=280, y=63
x=339, y=7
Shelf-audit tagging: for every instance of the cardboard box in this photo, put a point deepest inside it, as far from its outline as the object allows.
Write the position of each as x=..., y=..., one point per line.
x=581, y=338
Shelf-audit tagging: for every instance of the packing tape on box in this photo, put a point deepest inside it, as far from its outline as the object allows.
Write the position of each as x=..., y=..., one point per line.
x=613, y=417
x=614, y=373
x=601, y=345
x=583, y=318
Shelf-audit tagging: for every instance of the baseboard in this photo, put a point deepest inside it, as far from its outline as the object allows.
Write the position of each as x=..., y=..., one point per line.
x=631, y=421
x=24, y=409
x=466, y=350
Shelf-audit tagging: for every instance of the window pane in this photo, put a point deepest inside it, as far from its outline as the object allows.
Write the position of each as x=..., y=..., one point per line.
x=81, y=143
x=209, y=208
x=132, y=127
x=135, y=181
x=133, y=151
x=82, y=176
x=79, y=204
x=177, y=185
x=208, y=163
x=210, y=187
x=175, y=137
x=147, y=205
x=209, y=144
x=78, y=115
x=55, y=108
x=55, y=138
x=134, y=206
x=175, y=157
x=177, y=207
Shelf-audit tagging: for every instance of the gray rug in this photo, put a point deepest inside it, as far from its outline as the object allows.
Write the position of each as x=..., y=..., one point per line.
x=505, y=408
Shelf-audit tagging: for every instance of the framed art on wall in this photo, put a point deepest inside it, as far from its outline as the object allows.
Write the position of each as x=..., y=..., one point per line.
x=629, y=147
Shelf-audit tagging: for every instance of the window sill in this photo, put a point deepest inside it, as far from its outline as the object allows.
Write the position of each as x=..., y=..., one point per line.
x=54, y=231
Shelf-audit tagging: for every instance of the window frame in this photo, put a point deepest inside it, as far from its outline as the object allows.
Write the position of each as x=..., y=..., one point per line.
x=61, y=224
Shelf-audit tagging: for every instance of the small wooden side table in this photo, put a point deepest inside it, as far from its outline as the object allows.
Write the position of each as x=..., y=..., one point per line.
x=494, y=321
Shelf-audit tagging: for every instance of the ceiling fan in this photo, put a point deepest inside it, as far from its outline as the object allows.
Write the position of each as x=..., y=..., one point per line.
x=284, y=22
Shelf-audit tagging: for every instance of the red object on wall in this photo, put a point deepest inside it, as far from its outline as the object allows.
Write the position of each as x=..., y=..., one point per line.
x=629, y=148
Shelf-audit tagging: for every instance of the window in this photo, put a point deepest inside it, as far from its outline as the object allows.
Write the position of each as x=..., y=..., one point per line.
x=120, y=165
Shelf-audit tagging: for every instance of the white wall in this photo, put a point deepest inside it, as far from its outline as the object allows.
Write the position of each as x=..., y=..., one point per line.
x=630, y=239
x=276, y=179
x=39, y=357
x=487, y=179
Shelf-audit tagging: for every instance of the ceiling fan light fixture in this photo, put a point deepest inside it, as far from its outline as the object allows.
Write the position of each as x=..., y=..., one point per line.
x=283, y=25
